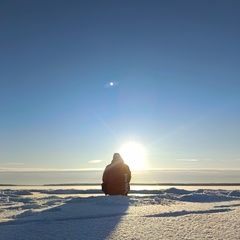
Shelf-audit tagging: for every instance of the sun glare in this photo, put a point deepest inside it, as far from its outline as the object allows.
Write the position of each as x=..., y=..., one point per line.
x=133, y=154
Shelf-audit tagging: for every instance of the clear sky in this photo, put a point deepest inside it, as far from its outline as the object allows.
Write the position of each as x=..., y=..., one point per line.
x=79, y=79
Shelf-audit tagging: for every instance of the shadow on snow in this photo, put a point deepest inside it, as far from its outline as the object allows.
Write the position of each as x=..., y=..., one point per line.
x=78, y=218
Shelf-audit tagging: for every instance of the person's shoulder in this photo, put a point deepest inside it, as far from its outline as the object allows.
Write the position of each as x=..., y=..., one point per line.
x=107, y=167
x=126, y=165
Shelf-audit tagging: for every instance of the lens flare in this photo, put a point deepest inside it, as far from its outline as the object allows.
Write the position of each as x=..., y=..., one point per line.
x=111, y=84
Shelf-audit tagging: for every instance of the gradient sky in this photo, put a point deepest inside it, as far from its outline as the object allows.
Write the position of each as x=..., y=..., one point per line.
x=174, y=65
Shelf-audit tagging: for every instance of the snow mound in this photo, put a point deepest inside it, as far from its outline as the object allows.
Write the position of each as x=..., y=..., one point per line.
x=234, y=194
x=203, y=197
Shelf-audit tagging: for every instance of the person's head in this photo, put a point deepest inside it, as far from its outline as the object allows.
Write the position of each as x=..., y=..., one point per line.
x=117, y=158
x=116, y=155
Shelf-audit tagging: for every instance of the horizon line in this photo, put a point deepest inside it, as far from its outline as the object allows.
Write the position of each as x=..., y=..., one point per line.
x=102, y=169
x=134, y=184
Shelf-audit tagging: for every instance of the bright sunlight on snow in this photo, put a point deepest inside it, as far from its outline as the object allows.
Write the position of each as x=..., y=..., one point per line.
x=170, y=214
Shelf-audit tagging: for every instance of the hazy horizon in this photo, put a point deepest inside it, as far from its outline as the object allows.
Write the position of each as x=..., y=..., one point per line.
x=94, y=176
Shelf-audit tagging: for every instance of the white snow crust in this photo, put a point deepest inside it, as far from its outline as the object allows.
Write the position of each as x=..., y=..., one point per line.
x=165, y=214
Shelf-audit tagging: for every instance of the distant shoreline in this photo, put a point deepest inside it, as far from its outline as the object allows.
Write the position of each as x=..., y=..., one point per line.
x=134, y=184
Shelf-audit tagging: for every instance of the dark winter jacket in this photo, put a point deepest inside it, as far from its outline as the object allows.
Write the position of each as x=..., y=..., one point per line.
x=116, y=177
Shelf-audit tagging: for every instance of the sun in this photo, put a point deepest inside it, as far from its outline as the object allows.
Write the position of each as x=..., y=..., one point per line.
x=133, y=154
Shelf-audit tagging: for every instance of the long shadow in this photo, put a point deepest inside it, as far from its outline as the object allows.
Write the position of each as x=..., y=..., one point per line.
x=182, y=213
x=229, y=205
x=79, y=218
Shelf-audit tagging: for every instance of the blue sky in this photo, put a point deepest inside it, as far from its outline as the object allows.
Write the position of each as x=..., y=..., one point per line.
x=175, y=69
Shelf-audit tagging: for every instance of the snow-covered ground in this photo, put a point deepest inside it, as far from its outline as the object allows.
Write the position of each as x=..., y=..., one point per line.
x=161, y=214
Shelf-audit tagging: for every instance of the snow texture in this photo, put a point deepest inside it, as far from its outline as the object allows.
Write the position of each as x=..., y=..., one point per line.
x=164, y=214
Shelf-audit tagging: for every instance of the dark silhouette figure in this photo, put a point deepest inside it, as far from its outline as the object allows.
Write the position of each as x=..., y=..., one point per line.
x=116, y=177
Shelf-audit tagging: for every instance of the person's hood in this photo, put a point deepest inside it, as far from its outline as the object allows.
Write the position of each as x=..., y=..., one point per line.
x=117, y=160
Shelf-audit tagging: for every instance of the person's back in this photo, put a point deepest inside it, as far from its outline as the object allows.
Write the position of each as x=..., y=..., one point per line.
x=116, y=177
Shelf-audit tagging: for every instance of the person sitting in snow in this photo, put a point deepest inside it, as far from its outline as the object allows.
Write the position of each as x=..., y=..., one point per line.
x=116, y=177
